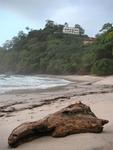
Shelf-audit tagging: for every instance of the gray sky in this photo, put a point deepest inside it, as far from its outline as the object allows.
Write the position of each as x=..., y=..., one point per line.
x=17, y=14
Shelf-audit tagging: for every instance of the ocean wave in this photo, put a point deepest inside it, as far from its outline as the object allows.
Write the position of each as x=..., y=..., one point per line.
x=19, y=82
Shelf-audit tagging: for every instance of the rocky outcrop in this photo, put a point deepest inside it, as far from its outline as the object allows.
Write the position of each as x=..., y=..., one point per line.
x=76, y=118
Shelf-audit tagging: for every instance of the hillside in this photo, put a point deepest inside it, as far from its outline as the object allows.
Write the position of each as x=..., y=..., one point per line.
x=50, y=51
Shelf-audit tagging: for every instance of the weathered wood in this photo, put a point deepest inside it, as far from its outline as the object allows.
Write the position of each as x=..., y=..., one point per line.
x=76, y=118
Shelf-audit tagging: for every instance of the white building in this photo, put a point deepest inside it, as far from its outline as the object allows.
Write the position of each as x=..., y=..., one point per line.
x=71, y=30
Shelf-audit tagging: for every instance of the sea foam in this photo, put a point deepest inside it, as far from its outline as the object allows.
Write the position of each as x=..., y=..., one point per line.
x=19, y=82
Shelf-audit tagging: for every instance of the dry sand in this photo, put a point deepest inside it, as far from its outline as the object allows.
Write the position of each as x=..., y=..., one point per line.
x=97, y=92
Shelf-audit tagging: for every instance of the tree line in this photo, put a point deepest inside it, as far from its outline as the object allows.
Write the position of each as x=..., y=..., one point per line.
x=50, y=51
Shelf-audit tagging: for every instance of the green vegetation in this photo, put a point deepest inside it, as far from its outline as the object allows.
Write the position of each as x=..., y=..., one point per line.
x=103, y=67
x=98, y=59
x=52, y=52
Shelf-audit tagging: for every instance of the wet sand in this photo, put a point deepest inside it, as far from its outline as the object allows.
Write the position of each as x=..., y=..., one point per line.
x=21, y=106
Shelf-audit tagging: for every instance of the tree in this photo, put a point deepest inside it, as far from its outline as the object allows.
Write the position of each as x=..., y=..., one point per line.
x=103, y=67
x=49, y=23
x=66, y=24
x=27, y=28
x=80, y=28
x=21, y=35
x=8, y=44
x=106, y=27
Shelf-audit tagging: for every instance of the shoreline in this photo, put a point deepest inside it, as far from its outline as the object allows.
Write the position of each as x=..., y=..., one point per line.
x=52, y=82
x=19, y=107
x=73, y=79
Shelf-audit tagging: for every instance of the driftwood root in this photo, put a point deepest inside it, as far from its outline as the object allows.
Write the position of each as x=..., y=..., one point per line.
x=76, y=118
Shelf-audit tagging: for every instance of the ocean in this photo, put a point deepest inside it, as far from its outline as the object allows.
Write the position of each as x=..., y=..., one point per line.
x=19, y=82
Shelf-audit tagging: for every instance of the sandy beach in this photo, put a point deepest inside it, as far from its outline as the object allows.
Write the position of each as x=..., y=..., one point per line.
x=18, y=107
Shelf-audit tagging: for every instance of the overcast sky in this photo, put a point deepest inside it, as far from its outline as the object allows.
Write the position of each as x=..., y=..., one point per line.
x=15, y=15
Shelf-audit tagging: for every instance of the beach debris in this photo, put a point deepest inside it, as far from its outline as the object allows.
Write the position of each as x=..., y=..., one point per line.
x=76, y=118
x=2, y=114
x=9, y=109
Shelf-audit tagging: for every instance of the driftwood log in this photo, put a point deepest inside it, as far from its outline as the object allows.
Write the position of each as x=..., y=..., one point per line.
x=76, y=118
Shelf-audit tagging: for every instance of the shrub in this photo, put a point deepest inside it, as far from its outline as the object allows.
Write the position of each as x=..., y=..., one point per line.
x=103, y=67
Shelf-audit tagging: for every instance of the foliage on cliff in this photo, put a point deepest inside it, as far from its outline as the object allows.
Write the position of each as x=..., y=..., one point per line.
x=52, y=52
x=99, y=57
